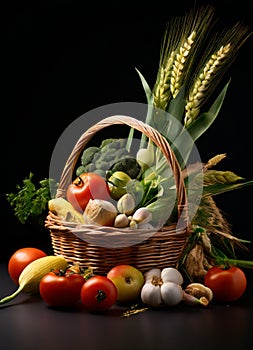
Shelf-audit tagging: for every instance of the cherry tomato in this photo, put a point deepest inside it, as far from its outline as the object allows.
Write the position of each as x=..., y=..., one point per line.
x=98, y=293
x=61, y=289
x=227, y=285
x=21, y=258
x=85, y=187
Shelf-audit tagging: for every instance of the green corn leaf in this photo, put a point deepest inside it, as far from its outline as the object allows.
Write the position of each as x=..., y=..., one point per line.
x=150, y=101
x=159, y=119
x=185, y=141
x=215, y=189
x=146, y=88
x=177, y=105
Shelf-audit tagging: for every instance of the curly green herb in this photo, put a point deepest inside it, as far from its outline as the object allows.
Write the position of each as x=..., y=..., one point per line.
x=31, y=201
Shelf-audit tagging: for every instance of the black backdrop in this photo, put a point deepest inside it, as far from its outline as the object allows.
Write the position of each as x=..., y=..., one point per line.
x=64, y=58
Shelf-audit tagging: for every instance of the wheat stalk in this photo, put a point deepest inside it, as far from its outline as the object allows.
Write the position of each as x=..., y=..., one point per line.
x=197, y=93
x=215, y=61
x=161, y=89
x=175, y=59
x=193, y=58
x=220, y=177
x=178, y=64
x=214, y=161
x=171, y=72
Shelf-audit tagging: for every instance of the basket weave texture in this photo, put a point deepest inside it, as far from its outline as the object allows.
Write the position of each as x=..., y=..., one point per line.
x=81, y=244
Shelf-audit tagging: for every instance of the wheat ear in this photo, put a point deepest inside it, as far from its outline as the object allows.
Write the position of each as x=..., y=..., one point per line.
x=222, y=50
x=170, y=74
x=177, y=53
x=214, y=161
x=178, y=64
x=161, y=89
x=202, y=83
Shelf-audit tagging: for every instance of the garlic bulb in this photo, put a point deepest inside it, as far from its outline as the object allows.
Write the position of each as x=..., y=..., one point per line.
x=121, y=220
x=142, y=215
x=159, y=290
x=126, y=204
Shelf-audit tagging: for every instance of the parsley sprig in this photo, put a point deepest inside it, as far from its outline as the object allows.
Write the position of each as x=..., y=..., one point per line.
x=31, y=200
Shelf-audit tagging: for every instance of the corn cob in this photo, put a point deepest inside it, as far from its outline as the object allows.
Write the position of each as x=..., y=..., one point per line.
x=32, y=274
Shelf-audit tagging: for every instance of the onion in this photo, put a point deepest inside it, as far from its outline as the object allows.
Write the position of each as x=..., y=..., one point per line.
x=100, y=212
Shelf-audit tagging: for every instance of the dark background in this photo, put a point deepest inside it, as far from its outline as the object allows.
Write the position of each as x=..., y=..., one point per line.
x=64, y=58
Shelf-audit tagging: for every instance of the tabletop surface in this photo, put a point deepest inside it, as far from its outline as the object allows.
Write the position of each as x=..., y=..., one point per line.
x=28, y=323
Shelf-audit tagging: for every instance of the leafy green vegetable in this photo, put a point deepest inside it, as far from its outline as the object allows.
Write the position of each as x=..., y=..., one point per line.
x=31, y=201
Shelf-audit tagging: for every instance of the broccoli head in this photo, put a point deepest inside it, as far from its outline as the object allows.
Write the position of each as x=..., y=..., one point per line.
x=88, y=155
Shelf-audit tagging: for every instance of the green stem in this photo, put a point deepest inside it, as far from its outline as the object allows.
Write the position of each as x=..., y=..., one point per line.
x=235, y=262
x=12, y=296
x=130, y=139
x=161, y=166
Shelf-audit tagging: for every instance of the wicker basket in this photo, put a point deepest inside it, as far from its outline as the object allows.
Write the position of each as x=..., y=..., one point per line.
x=81, y=244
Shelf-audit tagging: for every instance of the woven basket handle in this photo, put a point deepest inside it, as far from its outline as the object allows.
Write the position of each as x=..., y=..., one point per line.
x=151, y=133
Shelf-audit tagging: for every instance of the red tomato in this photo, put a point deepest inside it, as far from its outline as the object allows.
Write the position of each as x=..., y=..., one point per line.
x=98, y=294
x=20, y=259
x=226, y=284
x=85, y=187
x=60, y=289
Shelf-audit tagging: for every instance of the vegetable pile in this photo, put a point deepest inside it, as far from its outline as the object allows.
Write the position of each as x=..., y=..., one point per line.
x=65, y=285
x=127, y=194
